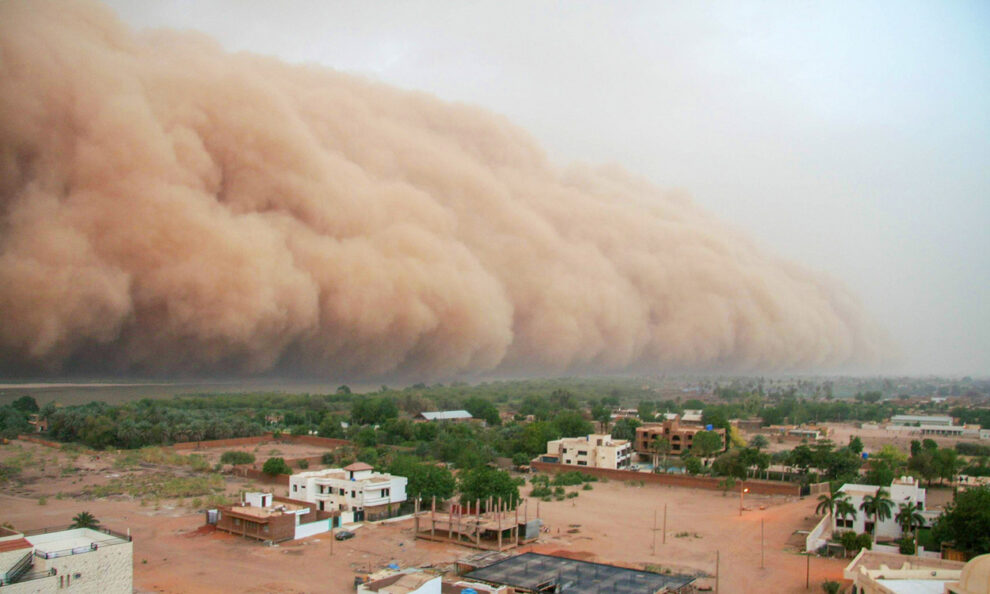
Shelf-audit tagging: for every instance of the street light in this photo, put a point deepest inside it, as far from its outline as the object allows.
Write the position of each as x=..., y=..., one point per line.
x=742, y=491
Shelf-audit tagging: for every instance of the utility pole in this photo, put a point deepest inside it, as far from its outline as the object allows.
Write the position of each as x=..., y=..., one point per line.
x=654, y=532
x=761, y=543
x=664, y=523
x=716, y=572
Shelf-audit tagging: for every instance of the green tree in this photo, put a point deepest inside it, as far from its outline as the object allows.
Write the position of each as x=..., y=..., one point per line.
x=646, y=411
x=908, y=517
x=844, y=509
x=730, y=464
x=425, y=480
x=706, y=443
x=84, y=520
x=693, y=465
x=484, y=482
x=571, y=423
x=625, y=429
x=856, y=444
x=828, y=501
x=603, y=415
x=275, y=466
x=660, y=446
x=483, y=409
x=26, y=404
x=831, y=587
x=879, y=506
x=236, y=457
x=966, y=522
x=759, y=442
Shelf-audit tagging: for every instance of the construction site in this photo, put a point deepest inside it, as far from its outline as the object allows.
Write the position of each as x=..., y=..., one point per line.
x=492, y=524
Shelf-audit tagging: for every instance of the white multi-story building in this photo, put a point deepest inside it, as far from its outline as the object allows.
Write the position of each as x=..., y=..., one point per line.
x=82, y=560
x=595, y=451
x=903, y=490
x=356, y=488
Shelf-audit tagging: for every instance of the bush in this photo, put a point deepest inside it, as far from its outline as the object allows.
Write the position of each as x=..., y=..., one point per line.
x=587, y=487
x=830, y=587
x=235, y=457
x=906, y=545
x=328, y=459
x=568, y=479
x=304, y=464
x=275, y=466
x=540, y=491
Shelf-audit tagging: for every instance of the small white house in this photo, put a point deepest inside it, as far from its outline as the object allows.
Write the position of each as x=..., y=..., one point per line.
x=356, y=488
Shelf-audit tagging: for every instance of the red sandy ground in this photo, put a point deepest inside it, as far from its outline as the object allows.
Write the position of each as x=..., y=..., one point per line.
x=610, y=523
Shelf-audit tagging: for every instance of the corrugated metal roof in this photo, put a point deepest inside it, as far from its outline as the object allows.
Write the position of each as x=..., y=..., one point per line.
x=446, y=415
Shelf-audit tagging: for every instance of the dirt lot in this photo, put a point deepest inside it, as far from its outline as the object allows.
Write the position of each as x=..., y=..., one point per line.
x=610, y=523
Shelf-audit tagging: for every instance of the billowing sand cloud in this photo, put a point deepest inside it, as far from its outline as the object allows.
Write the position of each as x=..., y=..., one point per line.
x=166, y=207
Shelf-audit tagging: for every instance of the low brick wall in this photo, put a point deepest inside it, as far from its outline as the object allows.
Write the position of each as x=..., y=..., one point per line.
x=674, y=480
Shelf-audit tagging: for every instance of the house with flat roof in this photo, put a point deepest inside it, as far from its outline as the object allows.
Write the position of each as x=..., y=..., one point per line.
x=266, y=517
x=85, y=560
x=598, y=450
x=872, y=572
x=356, y=489
x=903, y=490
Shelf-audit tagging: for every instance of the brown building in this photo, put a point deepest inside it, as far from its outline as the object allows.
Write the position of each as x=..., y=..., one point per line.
x=272, y=518
x=680, y=436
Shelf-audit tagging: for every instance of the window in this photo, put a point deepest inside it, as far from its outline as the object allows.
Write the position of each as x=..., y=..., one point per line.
x=353, y=494
x=295, y=488
x=265, y=529
x=385, y=492
x=582, y=452
x=237, y=521
x=582, y=463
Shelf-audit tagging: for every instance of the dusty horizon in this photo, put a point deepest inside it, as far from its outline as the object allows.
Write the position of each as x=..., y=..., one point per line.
x=167, y=207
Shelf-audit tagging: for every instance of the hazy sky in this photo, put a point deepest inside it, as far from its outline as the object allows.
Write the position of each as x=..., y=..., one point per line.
x=852, y=137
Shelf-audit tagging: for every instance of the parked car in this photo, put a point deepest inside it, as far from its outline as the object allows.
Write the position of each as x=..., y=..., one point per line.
x=343, y=535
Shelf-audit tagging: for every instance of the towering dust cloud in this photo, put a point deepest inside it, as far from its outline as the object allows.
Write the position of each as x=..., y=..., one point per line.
x=166, y=207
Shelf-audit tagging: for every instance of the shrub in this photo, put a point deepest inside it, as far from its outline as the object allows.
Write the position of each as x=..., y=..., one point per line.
x=275, y=466
x=830, y=587
x=571, y=478
x=587, y=487
x=42, y=501
x=572, y=494
x=304, y=464
x=236, y=457
x=906, y=545
x=327, y=459
x=540, y=491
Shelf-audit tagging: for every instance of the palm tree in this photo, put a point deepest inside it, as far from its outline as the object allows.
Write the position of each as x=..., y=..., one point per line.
x=827, y=501
x=660, y=446
x=844, y=509
x=879, y=506
x=84, y=520
x=908, y=517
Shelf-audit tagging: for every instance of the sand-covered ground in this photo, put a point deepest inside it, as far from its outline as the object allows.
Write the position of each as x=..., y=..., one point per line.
x=613, y=522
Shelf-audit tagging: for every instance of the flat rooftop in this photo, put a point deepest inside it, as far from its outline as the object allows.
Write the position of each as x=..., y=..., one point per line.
x=267, y=512
x=533, y=571
x=71, y=540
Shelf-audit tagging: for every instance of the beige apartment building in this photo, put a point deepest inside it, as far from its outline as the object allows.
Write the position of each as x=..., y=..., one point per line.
x=598, y=450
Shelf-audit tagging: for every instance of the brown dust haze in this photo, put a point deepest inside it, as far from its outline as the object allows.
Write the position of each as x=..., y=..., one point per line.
x=170, y=208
